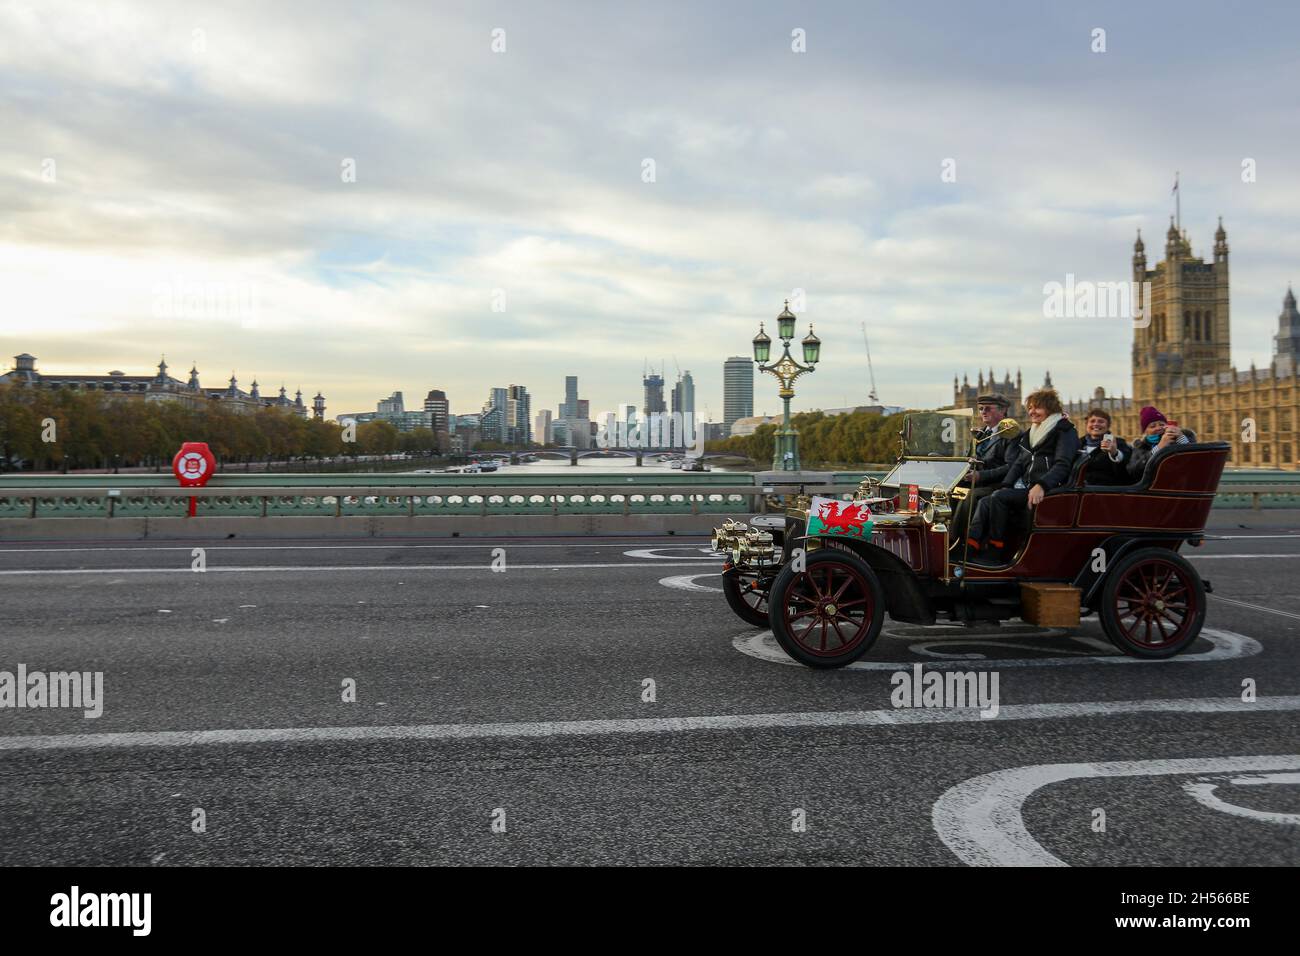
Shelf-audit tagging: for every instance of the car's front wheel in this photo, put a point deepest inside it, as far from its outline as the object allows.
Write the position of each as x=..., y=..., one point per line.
x=746, y=594
x=828, y=612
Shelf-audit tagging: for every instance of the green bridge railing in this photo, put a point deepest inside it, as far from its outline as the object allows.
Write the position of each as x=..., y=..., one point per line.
x=149, y=495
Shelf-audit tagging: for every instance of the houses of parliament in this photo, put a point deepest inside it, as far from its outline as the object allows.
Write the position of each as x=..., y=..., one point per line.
x=1181, y=363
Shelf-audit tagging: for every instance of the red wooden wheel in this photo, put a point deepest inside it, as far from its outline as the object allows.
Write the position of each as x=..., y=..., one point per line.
x=828, y=613
x=1153, y=603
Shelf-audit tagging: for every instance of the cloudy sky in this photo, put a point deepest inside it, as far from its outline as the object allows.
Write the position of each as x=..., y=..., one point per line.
x=178, y=178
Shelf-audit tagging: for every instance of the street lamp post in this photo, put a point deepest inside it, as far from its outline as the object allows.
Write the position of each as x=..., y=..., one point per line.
x=785, y=451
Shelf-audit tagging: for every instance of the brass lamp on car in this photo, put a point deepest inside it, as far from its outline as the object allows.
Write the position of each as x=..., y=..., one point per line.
x=938, y=510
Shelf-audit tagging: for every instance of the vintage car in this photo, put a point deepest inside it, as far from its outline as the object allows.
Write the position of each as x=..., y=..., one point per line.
x=1086, y=549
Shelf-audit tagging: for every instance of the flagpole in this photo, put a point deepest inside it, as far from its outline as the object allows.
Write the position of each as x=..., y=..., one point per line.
x=1178, y=205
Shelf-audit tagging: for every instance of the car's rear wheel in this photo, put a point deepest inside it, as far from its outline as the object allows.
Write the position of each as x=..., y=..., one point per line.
x=746, y=594
x=1153, y=603
x=829, y=612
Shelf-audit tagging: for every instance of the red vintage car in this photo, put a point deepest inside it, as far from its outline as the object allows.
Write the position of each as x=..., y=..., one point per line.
x=1107, y=550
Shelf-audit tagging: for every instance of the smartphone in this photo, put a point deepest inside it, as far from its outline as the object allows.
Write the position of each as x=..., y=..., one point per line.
x=1171, y=424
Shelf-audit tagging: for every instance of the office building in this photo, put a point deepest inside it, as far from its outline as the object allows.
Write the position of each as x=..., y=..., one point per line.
x=737, y=390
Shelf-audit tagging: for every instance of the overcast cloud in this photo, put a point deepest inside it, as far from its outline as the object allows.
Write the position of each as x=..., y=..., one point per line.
x=204, y=143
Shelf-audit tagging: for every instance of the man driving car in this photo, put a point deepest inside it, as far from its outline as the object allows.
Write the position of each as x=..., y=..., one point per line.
x=1041, y=465
x=994, y=452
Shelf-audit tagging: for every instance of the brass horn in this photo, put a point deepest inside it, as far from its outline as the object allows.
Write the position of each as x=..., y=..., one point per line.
x=1007, y=428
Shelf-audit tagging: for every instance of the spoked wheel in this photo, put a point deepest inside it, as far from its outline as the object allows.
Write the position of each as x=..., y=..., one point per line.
x=830, y=613
x=746, y=593
x=1153, y=603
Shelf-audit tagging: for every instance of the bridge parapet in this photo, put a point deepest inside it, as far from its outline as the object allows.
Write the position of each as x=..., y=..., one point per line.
x=102, y=496
x=365, y=499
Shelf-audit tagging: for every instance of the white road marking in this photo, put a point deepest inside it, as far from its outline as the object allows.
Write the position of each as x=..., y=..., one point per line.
x=470, y=543
x=980, y=819
x=650, y=553
x=686, y=582
x=254, y=569
x=1256, y=607
x=1227, y=645
x=926, y=650
x=571, y=728
x=1202, y=791
x=1220, y=557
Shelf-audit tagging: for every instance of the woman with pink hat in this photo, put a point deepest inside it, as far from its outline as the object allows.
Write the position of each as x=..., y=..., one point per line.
x=1158, y=433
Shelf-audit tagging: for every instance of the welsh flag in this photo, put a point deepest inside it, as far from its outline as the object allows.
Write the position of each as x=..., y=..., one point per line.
x=830, y=516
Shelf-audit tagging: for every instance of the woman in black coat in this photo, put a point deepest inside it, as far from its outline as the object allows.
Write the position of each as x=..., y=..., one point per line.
x=1044, y=463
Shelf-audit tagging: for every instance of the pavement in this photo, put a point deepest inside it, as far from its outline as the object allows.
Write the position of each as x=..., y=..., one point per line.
x=594, y=701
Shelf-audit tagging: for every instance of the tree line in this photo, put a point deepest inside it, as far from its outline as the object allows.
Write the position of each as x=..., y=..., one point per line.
x=850, y=439
x=47, y=429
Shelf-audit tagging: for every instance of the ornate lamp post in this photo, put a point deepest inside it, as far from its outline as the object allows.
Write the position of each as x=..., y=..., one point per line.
x=785, y=452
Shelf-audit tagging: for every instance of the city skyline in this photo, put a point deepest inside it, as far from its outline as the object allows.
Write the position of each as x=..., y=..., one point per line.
x=394, y=228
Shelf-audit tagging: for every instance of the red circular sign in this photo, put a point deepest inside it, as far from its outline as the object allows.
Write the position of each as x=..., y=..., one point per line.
x=194, y=464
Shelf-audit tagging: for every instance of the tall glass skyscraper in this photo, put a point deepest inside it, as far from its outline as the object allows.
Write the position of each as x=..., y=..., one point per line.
x=737, y=390
x=654, y=393
x=684, y=424
x=519, y=416
x=569, y=407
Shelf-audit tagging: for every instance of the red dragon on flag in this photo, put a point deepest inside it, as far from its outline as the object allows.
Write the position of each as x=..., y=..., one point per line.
x=845, y=518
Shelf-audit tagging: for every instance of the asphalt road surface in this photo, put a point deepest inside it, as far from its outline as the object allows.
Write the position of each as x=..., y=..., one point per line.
x=504, y=716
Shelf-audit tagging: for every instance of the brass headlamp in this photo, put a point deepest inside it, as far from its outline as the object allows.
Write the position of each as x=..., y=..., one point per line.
x=938, y=509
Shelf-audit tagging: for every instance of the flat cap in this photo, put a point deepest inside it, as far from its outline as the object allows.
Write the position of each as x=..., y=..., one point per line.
x=993, y=400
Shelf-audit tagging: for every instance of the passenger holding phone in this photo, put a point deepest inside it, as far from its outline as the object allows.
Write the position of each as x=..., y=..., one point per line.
x=1158, y=433
x=1107, y=455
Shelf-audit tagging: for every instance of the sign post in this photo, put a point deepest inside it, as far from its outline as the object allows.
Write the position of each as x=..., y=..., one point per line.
x=193, y=466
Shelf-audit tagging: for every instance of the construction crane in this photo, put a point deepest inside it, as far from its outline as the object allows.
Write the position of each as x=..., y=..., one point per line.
x=871, y=394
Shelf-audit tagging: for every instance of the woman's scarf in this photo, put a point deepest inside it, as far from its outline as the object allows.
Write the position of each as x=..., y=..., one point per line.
x=1040, y=431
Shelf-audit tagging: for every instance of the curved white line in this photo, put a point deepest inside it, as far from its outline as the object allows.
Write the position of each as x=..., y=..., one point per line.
x=980, y=819
x=1203, y=793
x=940, y=656
x=686, y=582
x=1227, y=646
x=925, y=649
x=650, y=553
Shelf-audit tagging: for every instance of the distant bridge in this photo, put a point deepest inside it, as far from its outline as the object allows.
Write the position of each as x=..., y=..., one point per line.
x=640, y=454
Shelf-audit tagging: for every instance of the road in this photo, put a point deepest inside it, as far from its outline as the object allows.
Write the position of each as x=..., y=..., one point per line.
x=501, y=716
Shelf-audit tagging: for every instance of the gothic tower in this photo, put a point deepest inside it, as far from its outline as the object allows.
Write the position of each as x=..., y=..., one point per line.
x=1184, y=331
x=1286, y=344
